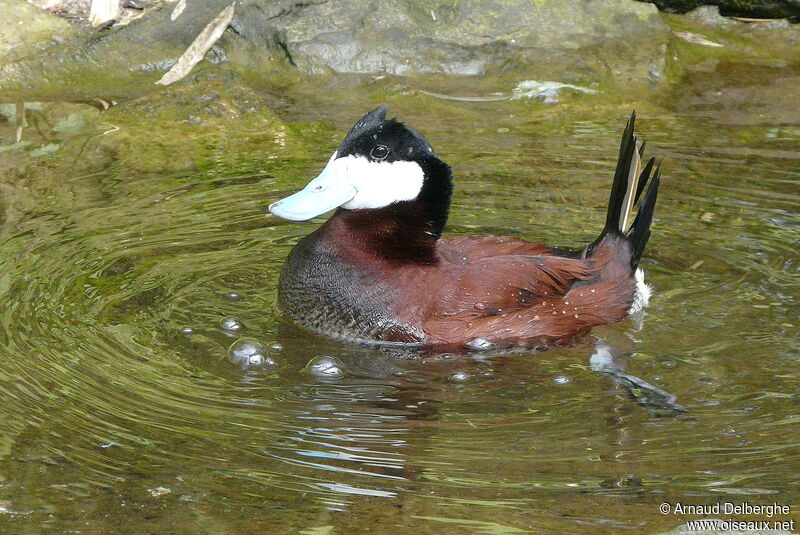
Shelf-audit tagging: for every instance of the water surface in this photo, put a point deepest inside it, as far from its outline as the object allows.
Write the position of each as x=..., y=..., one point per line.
x=127, y=239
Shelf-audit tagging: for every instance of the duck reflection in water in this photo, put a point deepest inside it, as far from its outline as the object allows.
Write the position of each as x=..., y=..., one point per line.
x=369, y=426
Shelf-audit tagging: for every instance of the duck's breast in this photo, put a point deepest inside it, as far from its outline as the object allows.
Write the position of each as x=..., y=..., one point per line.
x=329, y=292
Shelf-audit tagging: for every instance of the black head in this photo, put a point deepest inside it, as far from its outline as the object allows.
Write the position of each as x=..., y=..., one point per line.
x=381, y=165
x=384, y=140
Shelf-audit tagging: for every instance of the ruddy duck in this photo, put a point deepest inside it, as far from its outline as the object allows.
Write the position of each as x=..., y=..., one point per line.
x=378, y=270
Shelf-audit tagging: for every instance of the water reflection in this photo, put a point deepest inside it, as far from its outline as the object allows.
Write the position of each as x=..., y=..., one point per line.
x=351, y=429
x=364, y=431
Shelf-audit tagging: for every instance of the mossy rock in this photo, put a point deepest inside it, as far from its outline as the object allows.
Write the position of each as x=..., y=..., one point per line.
x=27, y=29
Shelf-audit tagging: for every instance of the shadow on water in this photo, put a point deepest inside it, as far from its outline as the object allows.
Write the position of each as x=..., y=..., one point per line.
x=130, y=247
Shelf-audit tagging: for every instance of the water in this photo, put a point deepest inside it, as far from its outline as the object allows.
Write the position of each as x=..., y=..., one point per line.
x=126, y=253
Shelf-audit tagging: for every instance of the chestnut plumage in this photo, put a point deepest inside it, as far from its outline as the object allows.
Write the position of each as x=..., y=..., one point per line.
x=377, y=270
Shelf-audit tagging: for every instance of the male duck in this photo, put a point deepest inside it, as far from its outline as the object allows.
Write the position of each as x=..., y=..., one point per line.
x=377, y=271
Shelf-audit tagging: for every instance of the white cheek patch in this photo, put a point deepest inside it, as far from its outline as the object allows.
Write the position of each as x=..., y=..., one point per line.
x=380, y=184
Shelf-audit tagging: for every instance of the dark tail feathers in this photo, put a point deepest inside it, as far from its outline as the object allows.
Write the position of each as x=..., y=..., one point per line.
x=629, y=183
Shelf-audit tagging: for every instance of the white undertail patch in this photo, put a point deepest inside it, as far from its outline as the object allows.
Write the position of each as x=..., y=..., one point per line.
x=643, y=292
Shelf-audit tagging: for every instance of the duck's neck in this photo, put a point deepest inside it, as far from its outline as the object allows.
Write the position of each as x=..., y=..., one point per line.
x=403, y=232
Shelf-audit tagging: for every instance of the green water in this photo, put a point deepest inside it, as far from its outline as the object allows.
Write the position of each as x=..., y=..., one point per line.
x=122, y=228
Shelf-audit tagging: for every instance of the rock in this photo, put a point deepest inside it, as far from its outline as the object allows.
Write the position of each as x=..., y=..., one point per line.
x=735, y=8
x=463, y=38
x=27, y=29
x=709, y=16
x=76, y=11
x=766, y=45
x=569, y=41
x=121, y=62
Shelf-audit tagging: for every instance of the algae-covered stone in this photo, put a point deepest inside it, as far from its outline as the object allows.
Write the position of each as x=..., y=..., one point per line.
x=26, y=29
x=150, y=131
x=203, y=128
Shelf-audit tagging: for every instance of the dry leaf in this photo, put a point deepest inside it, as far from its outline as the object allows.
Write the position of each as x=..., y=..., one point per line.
x=179, y=7
x=697, y=39
x=103, y=11
x=197, y=50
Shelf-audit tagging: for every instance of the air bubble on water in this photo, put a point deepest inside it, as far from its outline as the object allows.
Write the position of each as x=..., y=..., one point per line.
x=480, y=344
x=459, y=377
x=187, y=330
x=234, y=296
x=243, y=348
x=159, y=491
x=250, y=353
x=276, y=346
x=325, y=366
x=231, y=324
x=562, y=379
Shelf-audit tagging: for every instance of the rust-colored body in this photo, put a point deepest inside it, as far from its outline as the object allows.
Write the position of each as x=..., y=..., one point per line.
x=377, y=271
x=451, y=291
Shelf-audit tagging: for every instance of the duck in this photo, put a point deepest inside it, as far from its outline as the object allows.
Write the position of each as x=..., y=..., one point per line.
x=378, y=271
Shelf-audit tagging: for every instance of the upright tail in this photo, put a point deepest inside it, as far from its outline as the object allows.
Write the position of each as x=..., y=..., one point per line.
x=630, y=181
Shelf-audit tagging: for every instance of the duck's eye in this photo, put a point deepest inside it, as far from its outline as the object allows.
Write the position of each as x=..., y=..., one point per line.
x=379, y=152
